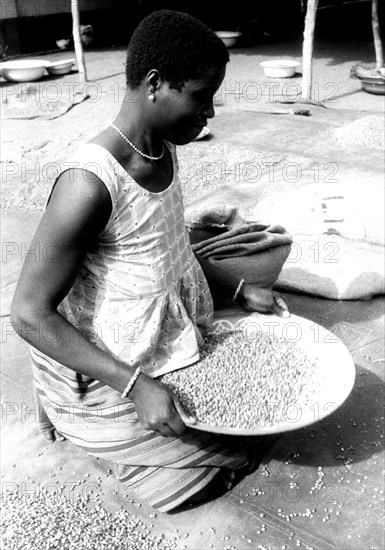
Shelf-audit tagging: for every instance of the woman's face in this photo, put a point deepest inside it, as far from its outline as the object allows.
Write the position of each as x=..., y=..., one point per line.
x=183, y=114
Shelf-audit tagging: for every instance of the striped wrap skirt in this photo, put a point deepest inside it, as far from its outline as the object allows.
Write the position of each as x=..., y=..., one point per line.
x=161, y=471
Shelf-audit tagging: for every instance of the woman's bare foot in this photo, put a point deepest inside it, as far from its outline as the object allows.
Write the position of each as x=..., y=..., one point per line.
x=45, y=425
x=53, y=435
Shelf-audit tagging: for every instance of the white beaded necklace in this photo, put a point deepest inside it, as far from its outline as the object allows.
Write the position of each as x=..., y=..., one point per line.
x=135, y=148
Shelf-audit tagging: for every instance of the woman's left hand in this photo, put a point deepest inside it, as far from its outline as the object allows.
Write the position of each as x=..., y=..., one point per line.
x=253, y=298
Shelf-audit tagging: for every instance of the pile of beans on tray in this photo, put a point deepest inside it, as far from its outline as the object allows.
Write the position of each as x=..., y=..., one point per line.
x=244, y=384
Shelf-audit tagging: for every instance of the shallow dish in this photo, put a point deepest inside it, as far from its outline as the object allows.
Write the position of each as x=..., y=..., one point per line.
x=60, y=67
x=205, y=132
x=23, y=70
x=373, y=84
x=280, y=68
x=229, y=38
x=335, y=368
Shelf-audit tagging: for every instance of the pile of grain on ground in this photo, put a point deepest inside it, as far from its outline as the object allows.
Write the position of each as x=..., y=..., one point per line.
x=204, y=166
x=365, y=132
x=30, y=170
x=49, y=521
x=29, y=110
x=238, y=383
x=40, y=100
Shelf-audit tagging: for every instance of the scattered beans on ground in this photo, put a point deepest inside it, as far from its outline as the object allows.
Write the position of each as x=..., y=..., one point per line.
x=48, y=521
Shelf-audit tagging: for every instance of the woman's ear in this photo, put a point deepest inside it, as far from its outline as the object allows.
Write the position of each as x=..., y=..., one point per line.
x=153, y=82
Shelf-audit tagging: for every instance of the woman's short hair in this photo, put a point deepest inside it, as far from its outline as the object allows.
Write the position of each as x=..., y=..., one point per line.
x=175, y=43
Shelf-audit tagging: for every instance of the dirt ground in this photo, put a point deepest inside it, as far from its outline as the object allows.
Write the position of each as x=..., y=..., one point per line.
x=43, y=122
x=341, y=459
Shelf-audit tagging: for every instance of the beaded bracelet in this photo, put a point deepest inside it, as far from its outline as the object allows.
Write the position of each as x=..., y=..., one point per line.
x=241, y=282
x=131, y=383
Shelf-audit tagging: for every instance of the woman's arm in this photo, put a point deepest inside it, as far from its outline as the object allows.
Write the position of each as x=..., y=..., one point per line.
x=78, y=210
x=250, y=296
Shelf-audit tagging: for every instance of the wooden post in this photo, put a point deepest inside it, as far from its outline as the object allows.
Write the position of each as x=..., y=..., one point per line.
x=377, y=36
x=78, y=42
x=307, y=49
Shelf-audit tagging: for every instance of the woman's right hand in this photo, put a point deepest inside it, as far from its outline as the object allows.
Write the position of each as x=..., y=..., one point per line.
x=158, y=408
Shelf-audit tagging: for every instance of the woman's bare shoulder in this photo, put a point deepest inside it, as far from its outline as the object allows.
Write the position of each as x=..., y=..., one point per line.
x=79, y=196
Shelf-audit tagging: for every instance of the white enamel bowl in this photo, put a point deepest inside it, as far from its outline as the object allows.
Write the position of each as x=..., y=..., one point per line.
x=23, y=70
x=60, y=67
x=280, y=68
x=229, y=38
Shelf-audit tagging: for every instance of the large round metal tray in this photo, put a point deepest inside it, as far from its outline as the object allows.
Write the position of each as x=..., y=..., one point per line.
x=336, y=370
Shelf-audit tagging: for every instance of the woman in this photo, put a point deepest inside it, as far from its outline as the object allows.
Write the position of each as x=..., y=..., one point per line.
x=124, y=299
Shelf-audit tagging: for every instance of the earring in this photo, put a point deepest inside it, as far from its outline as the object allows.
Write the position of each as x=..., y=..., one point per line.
x=151, y=97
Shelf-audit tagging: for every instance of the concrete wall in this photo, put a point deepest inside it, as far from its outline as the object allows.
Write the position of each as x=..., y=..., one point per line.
x=10, y=9
x=28, y=26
